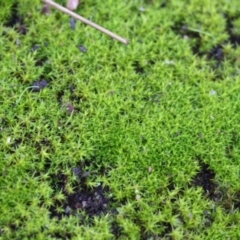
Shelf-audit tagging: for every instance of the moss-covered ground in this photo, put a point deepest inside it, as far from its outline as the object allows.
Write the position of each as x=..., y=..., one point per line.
x=99, y=140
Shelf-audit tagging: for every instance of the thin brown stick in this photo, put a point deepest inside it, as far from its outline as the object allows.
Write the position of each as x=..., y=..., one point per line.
x=84, y=20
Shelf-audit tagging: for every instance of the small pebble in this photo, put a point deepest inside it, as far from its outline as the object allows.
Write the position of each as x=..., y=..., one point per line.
x=169, y=62
x=142, y=9
x=72, y=4
x=212, y=93
x=45, y=9
x=84, y=204
x=138, y=197
x=82, y=49
x=17, y=42
x=67, y=210
x=111, y=92
x=8, y=140
x=70, y=108
x=38, y=85
x=72, y=88
x=22, y=29
x=72, y=23
x=76, y=171
x=218, y=53
x=34, y=48
x=85, y=174
x=184, y=28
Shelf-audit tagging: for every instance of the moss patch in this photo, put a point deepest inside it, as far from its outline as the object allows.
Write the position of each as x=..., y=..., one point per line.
x=105, y=141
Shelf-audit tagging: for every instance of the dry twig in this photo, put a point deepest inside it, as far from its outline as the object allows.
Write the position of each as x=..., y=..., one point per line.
x=86, y=21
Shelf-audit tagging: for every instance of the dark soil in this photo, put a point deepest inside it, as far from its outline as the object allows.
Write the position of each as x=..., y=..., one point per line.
x=233, y=38
x=138, y=68
x=14, y=18
x=205, y=179
x=92, y=201
x=15, y=21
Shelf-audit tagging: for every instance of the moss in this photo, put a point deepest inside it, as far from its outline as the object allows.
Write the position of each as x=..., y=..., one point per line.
x=120, y=141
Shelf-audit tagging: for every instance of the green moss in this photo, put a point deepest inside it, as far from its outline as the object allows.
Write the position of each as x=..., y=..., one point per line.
x=145, y=117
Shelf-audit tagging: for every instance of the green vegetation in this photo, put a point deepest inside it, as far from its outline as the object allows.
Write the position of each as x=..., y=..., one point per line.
x=148, y=124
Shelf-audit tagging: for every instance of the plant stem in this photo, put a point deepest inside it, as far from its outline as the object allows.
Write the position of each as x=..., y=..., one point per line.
x=86, y=21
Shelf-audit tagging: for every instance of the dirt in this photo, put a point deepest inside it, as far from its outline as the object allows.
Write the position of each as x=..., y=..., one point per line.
x=234, y=39
x=15, y=21
x=138, y=68
x=92, y=200
x=205, y=179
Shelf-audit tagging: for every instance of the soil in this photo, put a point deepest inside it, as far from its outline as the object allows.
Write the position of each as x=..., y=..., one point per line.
x=16, y=21
x=138, y=68
x=92, y=201
x=85, y=202
x=204, y=178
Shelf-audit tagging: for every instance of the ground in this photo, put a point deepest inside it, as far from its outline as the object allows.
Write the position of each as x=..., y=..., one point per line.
x=100, y=140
